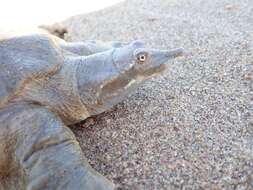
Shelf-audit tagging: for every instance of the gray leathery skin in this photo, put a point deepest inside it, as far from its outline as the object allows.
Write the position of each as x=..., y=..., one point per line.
x=46, y=84
x=44, y=151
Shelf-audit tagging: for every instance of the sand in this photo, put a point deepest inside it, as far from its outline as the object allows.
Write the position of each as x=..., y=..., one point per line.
x=192, y=127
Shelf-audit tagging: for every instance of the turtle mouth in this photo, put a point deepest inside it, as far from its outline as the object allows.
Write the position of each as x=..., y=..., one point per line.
x=154, y=71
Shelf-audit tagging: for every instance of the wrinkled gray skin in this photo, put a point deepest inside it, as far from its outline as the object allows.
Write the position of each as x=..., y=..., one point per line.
x=46, y=84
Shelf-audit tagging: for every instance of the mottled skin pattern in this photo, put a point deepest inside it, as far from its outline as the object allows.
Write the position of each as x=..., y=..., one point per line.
x=46, y=84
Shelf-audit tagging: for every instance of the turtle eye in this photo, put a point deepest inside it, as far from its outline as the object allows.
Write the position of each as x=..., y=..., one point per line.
x=142, y=58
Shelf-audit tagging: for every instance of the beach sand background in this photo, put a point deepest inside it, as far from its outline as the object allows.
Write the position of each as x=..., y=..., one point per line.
x=192, y=127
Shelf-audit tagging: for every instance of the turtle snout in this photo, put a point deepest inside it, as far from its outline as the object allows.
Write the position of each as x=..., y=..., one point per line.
x=160, y=57
x=174, y=53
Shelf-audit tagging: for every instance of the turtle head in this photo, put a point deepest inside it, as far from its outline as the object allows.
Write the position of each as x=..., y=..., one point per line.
x=118, y=72
x=140, y=63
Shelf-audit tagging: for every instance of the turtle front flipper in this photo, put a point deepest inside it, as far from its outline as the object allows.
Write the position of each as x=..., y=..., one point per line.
x=36, y=143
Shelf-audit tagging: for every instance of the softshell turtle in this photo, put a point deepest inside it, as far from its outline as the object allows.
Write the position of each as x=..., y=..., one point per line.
x=47, y=84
